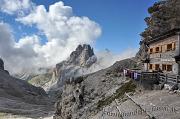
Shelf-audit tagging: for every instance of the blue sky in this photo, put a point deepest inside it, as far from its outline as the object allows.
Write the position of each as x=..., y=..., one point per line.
x=121, y=21
x=45, y=32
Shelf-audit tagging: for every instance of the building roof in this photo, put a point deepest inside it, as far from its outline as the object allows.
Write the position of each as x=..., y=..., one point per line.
x=164, y=35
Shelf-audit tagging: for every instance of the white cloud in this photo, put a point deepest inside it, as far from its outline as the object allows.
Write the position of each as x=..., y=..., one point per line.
x=106, y=58
x=15, y=55
x=19, y=7
x=59, y=23
x=64, y=32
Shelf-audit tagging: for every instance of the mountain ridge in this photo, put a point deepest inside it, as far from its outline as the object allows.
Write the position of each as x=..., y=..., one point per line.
x=16, y=94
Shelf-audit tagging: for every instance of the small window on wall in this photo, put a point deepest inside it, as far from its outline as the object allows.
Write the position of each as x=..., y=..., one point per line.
x=156, y=66
x=169, y=47
x=157, y=49
x=169, y=67
x=164, y=67
x=151, y=50
x=150, y=66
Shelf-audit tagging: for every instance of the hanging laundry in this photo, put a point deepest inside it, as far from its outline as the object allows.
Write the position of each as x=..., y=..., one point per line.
x=135, y=75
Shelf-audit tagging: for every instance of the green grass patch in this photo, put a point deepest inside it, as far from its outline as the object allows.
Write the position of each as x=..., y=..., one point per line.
x=125, y=88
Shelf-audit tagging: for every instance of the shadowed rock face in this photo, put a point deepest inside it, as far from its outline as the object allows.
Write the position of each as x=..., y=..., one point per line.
x=15, y=94
x=164, y=16
x=1, y=64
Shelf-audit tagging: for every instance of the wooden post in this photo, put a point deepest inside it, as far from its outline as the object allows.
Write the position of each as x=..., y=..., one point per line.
x=166, y=78
x=158, y=76
x=141, y=78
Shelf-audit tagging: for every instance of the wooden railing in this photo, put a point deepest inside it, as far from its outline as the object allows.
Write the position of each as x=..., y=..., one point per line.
x=169, y=78
x=149, y=76
x=165, y=78
x=154, y=77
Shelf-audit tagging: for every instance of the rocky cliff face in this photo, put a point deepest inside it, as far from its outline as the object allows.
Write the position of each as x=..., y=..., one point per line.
x=85, y=96
x=164, y=16
x=82, y=57
x=16, y=94
x=80, y=62
x=77, y=64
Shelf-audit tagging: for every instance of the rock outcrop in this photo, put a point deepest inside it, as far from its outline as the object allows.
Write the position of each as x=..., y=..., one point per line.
x=1, y=64
x=84, y=96
x=164, y=16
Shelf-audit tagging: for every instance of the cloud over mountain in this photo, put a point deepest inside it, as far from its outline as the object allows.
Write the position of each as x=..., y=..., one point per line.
x=64, y=32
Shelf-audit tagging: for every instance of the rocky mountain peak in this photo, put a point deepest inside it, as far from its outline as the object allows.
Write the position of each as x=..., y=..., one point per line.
x=1, y=64
x=81, y=55
x=78, y=64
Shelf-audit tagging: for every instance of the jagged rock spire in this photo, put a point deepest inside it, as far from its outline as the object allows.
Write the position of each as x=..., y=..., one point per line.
x=81, y=55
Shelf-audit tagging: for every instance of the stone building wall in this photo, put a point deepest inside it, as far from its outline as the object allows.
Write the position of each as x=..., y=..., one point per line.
x=165, y=57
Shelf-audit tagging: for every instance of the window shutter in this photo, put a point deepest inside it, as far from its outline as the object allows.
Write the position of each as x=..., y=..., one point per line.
x=160, y=48
x=165, y=47
x=153, y=66
x=154, y=50
x=173, y=46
